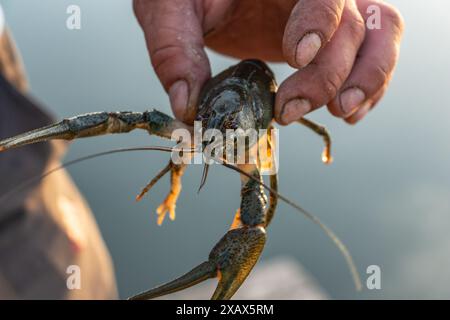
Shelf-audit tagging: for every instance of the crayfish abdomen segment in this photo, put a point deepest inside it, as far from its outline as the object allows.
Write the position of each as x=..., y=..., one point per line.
x=253, y=204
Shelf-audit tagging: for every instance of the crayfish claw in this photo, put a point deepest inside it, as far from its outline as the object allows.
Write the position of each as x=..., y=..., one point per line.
x=235, y=256
x=231, y=261
x=200, y=273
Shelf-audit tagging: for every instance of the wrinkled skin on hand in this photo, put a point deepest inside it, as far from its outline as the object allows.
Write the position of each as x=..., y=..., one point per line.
x=341, y=63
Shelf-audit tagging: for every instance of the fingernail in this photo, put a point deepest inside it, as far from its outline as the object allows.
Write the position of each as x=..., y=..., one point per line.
x=178, y=95
x=294, y=110
x=351, y=99
x=307, y=49
x=363, y=111
x=360, y=113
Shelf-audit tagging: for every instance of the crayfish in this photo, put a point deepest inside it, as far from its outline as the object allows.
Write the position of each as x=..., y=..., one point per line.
x=241, y=97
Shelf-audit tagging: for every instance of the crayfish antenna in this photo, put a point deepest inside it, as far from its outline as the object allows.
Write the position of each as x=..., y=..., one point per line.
x=333, y=237
x=202, y=272
x=204, y=176
x=153, y=181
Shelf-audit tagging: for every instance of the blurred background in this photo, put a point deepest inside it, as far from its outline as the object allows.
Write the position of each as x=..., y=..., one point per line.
x=387, y=195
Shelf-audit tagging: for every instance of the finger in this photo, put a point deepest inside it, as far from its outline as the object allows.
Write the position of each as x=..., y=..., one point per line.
x=311, y=25
x=318, y=83
x=174, y=40
x=375, y=63
x=364, y=109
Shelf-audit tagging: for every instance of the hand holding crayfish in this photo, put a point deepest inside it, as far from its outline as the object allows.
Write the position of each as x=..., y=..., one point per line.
x=341, y=61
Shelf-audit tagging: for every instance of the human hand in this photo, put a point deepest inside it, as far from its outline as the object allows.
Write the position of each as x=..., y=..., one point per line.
x=339, y=62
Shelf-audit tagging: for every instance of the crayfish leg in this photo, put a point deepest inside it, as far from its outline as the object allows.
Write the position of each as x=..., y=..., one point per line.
x=152, y=182
x=170, y=202
x=323, y=132
x=96, y=124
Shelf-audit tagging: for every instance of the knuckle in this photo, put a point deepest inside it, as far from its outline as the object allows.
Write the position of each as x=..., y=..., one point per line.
x=357, y=27
x=380, y=74
x=165, y=61
x=394, y=16
x=164, y=44
x=161, y=55
x=330, y=83
x=330, y=11
x=170, y=61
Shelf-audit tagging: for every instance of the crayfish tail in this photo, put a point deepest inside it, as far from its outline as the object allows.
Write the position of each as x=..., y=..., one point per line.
x=202, y=272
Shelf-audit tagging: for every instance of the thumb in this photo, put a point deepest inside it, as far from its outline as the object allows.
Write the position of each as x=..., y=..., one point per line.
x=174, y=38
